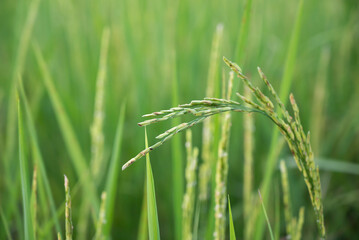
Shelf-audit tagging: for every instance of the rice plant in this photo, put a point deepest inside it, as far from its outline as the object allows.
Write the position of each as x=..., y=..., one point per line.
x=76, y=75
x=290, y=127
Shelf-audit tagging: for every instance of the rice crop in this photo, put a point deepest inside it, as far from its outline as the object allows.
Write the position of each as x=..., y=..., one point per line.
x=76, y=76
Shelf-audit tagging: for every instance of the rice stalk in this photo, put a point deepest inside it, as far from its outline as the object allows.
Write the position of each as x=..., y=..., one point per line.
x=208, y=155
x=286, y=200
x=222, y=171
x=97, y=136
x=298, y=232
x=34, y=200
x=293, y=226
x=68, y=215
x=248, y=169
x=191, y=179
x=101, y=219
x=277, y=218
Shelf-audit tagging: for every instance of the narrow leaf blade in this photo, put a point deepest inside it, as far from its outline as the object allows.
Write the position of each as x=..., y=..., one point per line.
x=153, y=226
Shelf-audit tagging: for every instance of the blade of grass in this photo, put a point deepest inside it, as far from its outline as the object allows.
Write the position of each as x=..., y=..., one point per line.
x=69, y=136
x=25, y=187
x=18, y=69
x=20, y=57
x=111, y=182
x=284, y=92
x=6, y=225
x=333, y=165
x=232, y=234
x=142, y=229
x=38, y=156
x=243, y=33
x=266, y=216
x=153, y=226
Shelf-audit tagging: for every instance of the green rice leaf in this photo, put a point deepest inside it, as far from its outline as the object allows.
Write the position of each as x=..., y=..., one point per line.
x=6, y=224
x=38, y=157
x=153, y=226
x=232, y=234
x=68, y=133
x=142, y=228
x=25, y=186
x=243, y=33
x=111, y=182
x=266, y=216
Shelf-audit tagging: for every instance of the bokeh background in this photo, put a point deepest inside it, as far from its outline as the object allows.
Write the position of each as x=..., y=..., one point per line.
x=160, y=48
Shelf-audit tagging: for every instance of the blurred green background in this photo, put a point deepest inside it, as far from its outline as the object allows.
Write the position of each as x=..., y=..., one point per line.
x=151, y=45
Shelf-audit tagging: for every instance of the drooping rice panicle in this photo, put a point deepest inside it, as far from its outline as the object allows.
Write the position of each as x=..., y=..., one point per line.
x=291, y=128
x=201, y=109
